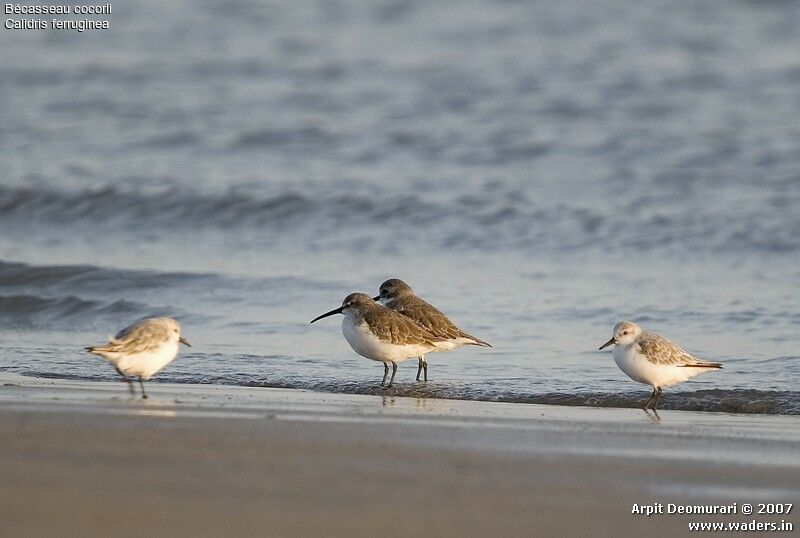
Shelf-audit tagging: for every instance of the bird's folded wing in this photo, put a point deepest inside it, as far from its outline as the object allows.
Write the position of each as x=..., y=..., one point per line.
x=429, y=317
x=661, y=351
x=398, y=329
x=144, y=336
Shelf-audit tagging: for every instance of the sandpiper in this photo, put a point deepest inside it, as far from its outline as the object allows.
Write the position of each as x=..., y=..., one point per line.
x=380, y=334
x=398, y=296
x=142, y=349
x=653, y=360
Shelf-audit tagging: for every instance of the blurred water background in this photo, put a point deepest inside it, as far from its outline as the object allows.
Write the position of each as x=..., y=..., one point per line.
x=538, y=170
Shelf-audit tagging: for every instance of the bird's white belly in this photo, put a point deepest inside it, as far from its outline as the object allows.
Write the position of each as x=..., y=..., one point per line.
x=637, y=367
x=145, y=365
x=366, y=344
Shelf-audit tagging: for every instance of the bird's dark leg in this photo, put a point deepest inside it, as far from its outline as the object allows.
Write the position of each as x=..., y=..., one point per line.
x=394, y=371
x=658, y=397
x=144, y=394
x=385, y=373
x=654, y=416
x=419, y=365
x=425, y=366
x=128, y=381
x=650, y=400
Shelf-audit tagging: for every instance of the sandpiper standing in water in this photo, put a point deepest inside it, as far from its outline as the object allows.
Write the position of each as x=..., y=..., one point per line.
x=398, y=296
x=380, y=334
x=653, y=360
x=142, y=349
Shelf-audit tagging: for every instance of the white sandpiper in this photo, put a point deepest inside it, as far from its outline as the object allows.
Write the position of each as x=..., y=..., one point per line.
x=380, y=334
x=142, y=349
x=398, y=296
x=653, y=360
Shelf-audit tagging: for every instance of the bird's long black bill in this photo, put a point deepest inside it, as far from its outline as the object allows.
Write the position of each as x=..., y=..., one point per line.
x=326, y=314
x=612, y=341
x=184, y=341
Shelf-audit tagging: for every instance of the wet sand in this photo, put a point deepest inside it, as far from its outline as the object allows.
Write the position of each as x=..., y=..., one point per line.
x=85, y=458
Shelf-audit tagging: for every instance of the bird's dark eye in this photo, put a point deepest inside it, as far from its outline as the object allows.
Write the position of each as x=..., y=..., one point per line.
x=624, y=332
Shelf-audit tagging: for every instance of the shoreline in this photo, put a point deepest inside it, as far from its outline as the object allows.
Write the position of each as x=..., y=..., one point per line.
x=84, y=457
x=733, y=401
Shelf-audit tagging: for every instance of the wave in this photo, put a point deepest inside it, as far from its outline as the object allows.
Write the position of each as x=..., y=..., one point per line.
x=91, y=281
x=88, y=296
x=72, y=297
x=91, y=278
x=491, y=218
x=34, y=311
x=110, y=205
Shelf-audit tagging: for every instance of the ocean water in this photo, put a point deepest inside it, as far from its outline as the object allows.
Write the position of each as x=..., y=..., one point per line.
x=538, y=170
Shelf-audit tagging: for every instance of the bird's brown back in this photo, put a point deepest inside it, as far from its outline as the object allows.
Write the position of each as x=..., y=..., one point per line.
x=391, y=326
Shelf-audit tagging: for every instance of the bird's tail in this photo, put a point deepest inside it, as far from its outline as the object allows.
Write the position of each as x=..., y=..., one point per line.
x=475, y=341
x=714, y=365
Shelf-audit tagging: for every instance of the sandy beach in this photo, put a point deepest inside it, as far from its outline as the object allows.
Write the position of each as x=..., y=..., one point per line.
x=84, y=458
x=539, y=172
